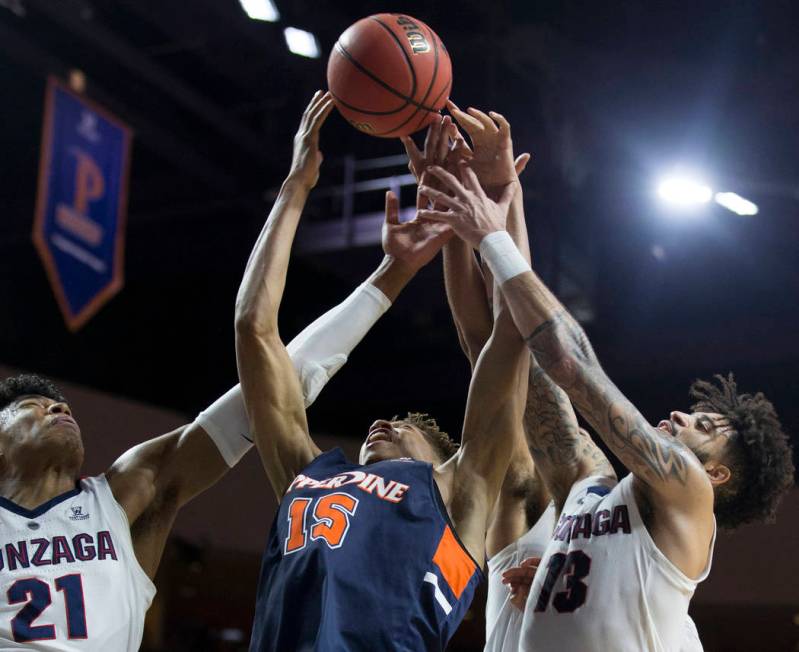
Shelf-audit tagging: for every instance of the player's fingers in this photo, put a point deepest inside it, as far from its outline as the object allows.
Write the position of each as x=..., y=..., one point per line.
x=411, y=149
x=319, y=115
x=518, y=575
x=432, y=139
x=312, y=103
x=392, y=208
x=521, y=579
x=471, y=125
x=531, y=561
x=440, y=197
x=443, y=140
x=488, y=124
x=434, y=216
x=414, y=155
x=450, y=181
x=521, y=163
x=459, y=138
x=469, y=178
x=502, y=123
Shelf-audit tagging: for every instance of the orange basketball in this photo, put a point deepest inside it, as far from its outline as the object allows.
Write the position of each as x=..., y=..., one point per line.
x=389, y=75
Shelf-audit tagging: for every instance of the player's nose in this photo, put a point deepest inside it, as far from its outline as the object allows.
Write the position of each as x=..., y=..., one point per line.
x=680, y=418
x=380, y=423
x=59, y=408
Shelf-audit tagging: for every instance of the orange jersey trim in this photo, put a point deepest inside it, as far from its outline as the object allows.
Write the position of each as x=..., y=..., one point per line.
x=454, y=562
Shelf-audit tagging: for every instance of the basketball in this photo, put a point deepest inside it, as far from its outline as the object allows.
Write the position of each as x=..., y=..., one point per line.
x=390, y=75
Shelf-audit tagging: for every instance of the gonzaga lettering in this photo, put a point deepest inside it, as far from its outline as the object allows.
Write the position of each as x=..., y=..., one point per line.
x=70, y=579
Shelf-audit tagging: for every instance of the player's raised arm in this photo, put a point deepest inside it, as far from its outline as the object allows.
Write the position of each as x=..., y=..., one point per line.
x=493, y=415
x=562, y=452
x=562, y=349
x=463, y=280
x=271, y=389
x=153, y=480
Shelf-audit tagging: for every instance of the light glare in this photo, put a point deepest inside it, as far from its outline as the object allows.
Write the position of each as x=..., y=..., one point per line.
x=736, y=203
x=261, y=10
x=301, y=42
x=683, y=191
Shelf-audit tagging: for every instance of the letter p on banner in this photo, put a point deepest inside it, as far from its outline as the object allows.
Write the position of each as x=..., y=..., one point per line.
x=81, y=205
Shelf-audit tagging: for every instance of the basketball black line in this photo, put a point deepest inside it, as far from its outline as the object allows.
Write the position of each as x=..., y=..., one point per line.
x=404, y=53
x=431, y=35
x=343, y=51
x=446, y=88
x=359, y=110
x=379, y=81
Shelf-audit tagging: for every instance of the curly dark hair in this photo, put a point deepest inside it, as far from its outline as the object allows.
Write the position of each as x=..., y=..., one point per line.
x=27, y=384
x=759, y=453
x=441, y=441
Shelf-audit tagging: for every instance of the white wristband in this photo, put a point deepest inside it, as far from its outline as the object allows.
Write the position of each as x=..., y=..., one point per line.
x=503, y=256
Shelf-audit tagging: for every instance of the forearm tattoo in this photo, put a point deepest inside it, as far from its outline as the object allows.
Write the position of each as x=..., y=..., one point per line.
x=563, y=351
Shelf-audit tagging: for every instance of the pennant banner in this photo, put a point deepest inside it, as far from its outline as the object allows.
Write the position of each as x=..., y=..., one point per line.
x=81, y=207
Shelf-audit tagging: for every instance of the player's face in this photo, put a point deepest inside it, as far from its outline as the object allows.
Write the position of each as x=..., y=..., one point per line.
x=36, y=425
x=705, y=433
x=391, y=440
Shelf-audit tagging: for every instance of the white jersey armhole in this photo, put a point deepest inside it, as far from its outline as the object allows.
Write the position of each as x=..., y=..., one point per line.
x=124, y=525
x=626, y=485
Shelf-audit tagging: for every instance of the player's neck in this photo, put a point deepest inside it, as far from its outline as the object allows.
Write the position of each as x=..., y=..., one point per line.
x=31, y=491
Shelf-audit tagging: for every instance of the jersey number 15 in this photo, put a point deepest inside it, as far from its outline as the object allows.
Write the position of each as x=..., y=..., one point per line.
x=330, y=521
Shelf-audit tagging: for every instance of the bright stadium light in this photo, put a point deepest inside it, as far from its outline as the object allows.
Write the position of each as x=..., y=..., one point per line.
x=261, y=10
x=684, y=191
x=302, y=42
x=736, y=203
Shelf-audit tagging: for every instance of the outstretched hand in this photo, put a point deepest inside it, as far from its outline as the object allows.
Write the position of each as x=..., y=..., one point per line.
x=436, y=147
x=465, y=206
x=413, y=243
x=492, y=158
x=307, y=158
x=519, y=580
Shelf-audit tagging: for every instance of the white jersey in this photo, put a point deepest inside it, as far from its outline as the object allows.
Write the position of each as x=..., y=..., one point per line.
x=690, y=638
x=603, y=584
x=503, y=620
x=69, y=579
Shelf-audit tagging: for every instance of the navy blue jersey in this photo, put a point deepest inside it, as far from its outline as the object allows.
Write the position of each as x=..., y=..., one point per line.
x=362, y=558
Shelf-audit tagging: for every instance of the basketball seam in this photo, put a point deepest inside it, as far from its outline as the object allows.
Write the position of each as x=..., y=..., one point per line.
x=379, y=81
x=396, y=40
x=351, y=107
x=429, y=89
x=448, y=85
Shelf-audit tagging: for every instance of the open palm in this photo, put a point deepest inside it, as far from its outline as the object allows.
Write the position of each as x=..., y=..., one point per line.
x=414, y=243
x=492, y=155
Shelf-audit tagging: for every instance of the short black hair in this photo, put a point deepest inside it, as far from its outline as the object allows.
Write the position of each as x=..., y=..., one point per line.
x=441, y=441
x=27, y=384
x=759, y=453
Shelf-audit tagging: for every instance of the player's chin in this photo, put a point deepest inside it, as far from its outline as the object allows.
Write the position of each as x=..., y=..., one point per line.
x=378, y=451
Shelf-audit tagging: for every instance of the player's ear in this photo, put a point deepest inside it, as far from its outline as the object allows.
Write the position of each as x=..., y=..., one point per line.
x=718, y=473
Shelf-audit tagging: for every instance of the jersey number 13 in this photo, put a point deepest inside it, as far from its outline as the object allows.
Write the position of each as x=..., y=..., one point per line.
x=575, y=567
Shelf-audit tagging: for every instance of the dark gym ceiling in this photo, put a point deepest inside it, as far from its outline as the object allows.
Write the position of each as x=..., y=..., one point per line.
x=605, y=95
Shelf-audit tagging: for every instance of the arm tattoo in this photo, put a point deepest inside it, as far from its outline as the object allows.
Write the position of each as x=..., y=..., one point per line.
x=562, y=348
x=560, y=448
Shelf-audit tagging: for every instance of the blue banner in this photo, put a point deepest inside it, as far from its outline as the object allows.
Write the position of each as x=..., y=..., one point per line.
x=81, y=207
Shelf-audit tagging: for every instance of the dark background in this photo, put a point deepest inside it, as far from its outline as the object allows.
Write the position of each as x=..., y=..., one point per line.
x=607, y=97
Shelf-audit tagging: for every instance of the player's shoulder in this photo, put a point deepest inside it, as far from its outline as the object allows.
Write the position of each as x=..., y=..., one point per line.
x=594, y=487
